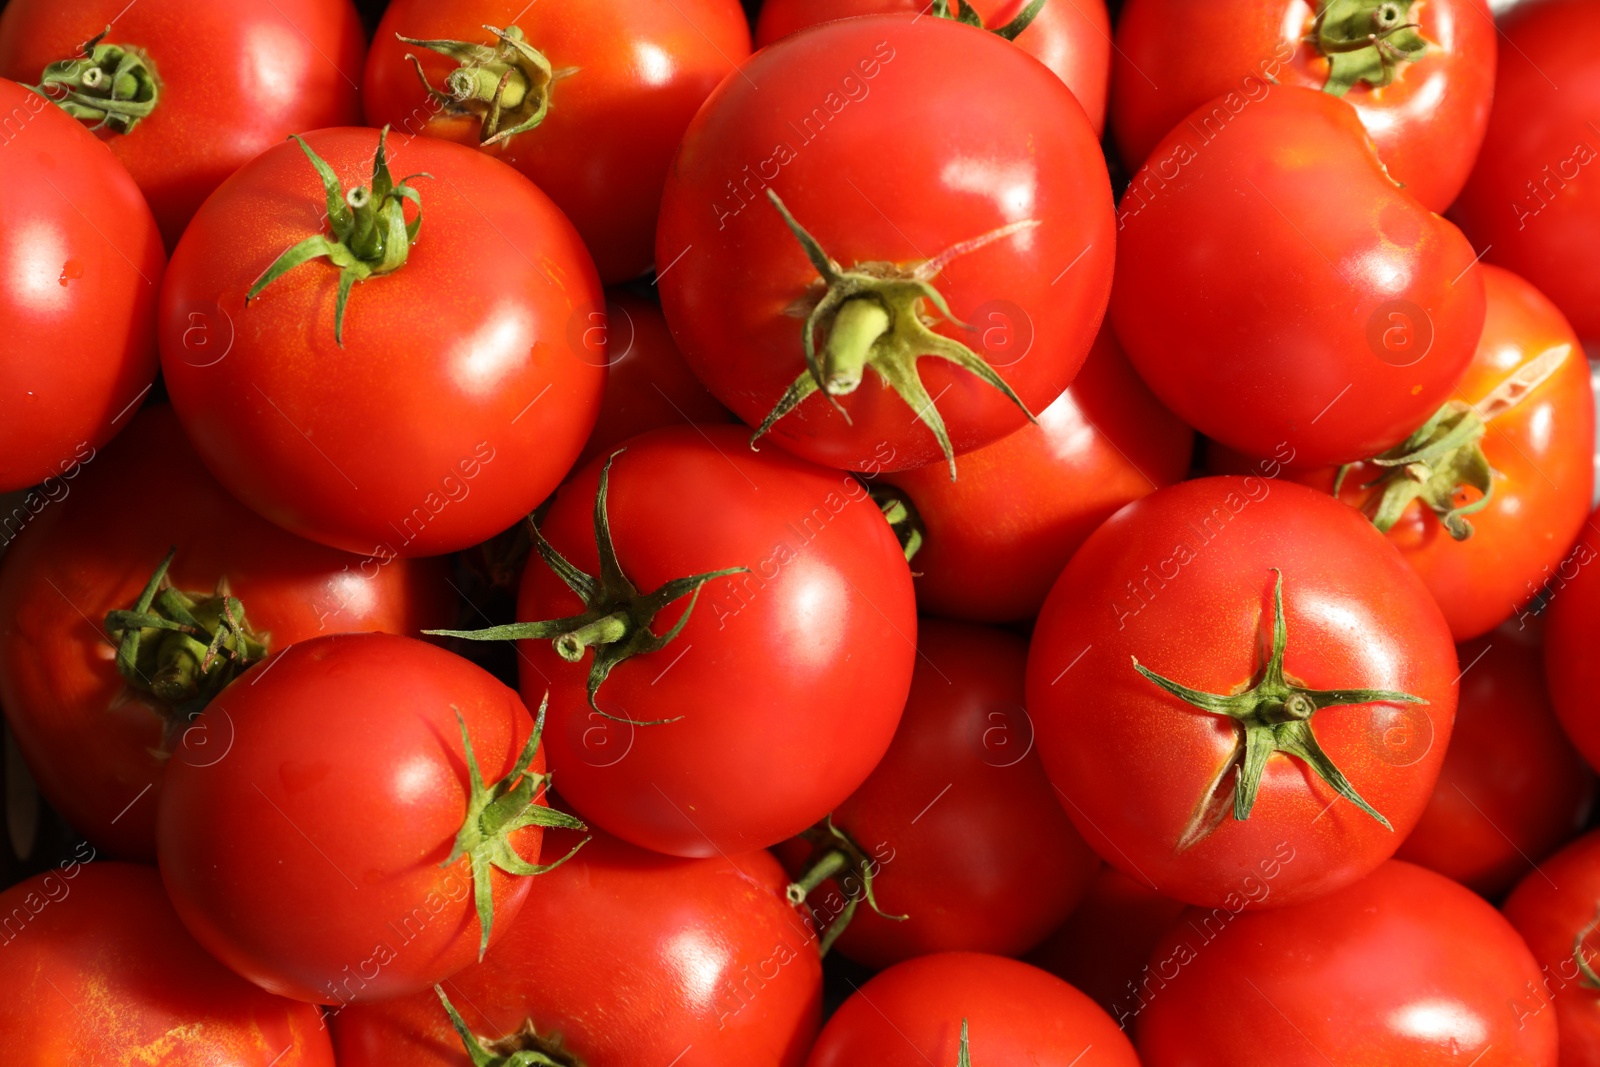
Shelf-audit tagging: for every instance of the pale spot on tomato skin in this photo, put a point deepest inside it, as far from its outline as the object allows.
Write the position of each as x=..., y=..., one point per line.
x=1400, y=224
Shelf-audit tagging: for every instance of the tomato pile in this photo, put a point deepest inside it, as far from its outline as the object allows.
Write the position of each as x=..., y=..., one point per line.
x=799, y=533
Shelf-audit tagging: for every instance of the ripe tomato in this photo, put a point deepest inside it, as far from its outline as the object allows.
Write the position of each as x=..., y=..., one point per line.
x=967, y=214
x=1530, y=440
x=925, y=1010
x=212, y=84
x=740, y=665
x=1233, y=761
x=1554, y=909
x=82, y=260
x=99, y=744
x=99, y=970
x=623, y=957
x=1071, y=37
x=994, y=540
x=609, y=86
x=1571, y=667
x=438, y=423
x=1528, y=204
x=1402, y=967
x=957, y=833
x=1512, y=790
x=647, y=382
x=344, y=847
x=1337, y=327
x=1424, y=98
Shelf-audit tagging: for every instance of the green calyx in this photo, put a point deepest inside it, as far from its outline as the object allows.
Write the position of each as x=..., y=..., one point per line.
x=1435, y=464
x=506, y=85
x=1273, y=715
x=182, y=648
x=964, y=13
x=964, y=1055
x=835, y=855
x=1586, y=972
x=873, y=316
x=370, y=232
x=525, y=1048
x=616, y=623
x=901, y=515
x=109, y=86
x=1365, y=41
x=496, y=812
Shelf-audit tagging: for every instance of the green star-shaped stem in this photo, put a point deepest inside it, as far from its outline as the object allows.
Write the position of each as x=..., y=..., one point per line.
x=525, y=1048
x=506, y=85
x=1365, y=41
x=835, y=854
x=107, y=85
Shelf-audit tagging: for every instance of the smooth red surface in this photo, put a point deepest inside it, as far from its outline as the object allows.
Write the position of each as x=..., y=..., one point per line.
x=467, y=382
x=1405, y=967
x=80, y=268
x=236, y=78
x=1183, y=580
x=910, y=1016
x=635, y=74
x=801, y=118
x=1570, y=663
x=1554, y=909
x=632, y=958
x=311, y=857
x=95, y=747
x=99, y=970
x=996, y=537
x=1426, y=124
x=1274, y=285
x=789, y=680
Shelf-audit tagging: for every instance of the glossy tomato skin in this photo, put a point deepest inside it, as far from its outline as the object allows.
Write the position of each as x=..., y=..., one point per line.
x=636, y=73
x=996, y=537
x=790, y=679
x=1573, y=591
x=1183, y=581
x=1512, y=789
x=311, y=857
x=83, y=263
x=971, y=844
x=877, y=88
x=235, y=79
x=632, y=957
x=1426, y=124
x=1321, y=312
x=467, y=381
x=910, y=1015
x=1552, y=908
x=1540, y=450
x=1527, y=204
x=1402, y=967
x=648, y=384
x=99, y=970
x=1071, y=38
x=94, y=745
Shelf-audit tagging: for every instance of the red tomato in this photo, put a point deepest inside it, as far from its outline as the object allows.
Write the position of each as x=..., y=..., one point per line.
x=624, y=957
x=220, y=81
x=1231, y=761
x=647, y=382
x=82, y=262
x=994, y=540
x=1425, y=110
x=1102, y=947
x=439, y=423
x=98, y=745
x=1528, y=387
x=783, y=687
x=1337, y=326
x=1554, y=909
x=99, y=971
x=331, y=854
x=967, y=214
x=1528, y=204
x=921, y=1011
x=1071, y=37
x=957, y=831
x=1403, y=967
x=1571, y=667
x=611, y=89
x=1512, y=790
